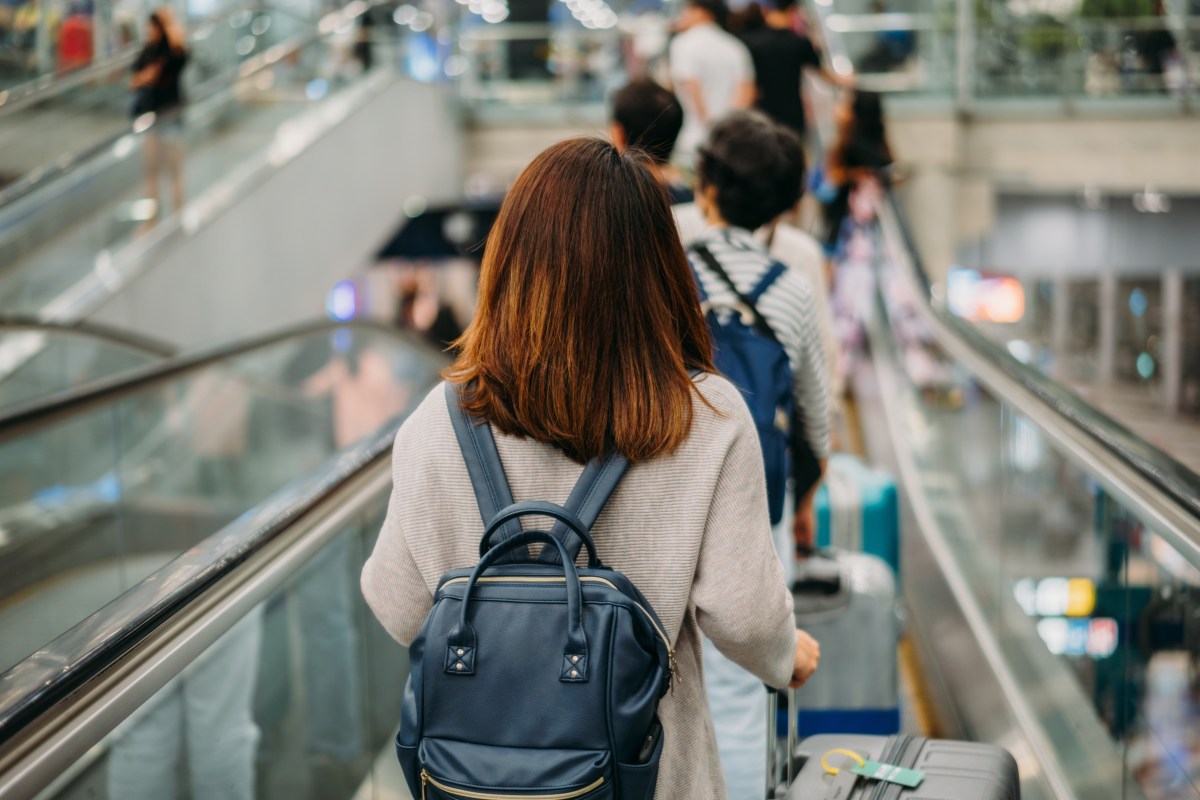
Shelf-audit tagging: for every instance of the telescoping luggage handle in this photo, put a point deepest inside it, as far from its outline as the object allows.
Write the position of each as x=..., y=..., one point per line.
x=461, y=655
x=778, y=785
x=587, y=499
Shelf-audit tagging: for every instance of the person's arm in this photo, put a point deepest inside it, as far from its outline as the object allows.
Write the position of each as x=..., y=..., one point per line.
x=745, y=95
x=391, y=583
x=747, y=89
x=691, y=88
x=742, y=602
x=145, y=71
x=834, y=78
x=811, y=392
x=811, y=59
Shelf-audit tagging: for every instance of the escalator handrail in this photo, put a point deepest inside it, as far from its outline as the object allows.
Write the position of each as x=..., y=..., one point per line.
x=34, y=686
x=1179, y=486
x=36, y=416
x=1175, y=480
x=91, y=330
x=68, y=163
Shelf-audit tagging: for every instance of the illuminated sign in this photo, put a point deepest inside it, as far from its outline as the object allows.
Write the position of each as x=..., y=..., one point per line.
x=1064, y=605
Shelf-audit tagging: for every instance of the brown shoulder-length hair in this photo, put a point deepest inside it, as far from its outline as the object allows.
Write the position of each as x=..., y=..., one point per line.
x=588, y=324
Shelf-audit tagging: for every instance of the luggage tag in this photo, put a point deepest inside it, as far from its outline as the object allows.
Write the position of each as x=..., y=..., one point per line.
x=876, y=770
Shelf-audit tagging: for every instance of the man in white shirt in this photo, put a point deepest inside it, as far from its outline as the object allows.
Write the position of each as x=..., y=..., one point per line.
x=711, y=72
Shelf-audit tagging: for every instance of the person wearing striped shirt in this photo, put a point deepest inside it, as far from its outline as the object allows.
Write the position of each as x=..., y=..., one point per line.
x=749, y=173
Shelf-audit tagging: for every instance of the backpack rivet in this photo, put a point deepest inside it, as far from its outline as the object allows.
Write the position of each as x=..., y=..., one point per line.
x=574, y=673
x=459, y=666
x=459, y=651
x=574, y=659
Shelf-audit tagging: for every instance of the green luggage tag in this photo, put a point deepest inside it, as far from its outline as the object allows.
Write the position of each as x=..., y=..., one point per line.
x=874, y=770
x=890, y=773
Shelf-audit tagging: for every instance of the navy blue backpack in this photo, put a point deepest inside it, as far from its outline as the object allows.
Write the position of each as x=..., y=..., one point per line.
x=750, y=355
x=532, y=677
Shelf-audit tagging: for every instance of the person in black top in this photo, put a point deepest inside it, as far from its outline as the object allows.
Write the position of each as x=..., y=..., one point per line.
x=780, y=58
x=649, y=117
x=156, y=86
x=1154, y=47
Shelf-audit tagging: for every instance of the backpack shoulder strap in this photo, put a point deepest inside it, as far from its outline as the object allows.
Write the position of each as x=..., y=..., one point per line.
x=777, y=269
x=478, y=448
x=595, y=485
x=774, y=273
x=587, y=499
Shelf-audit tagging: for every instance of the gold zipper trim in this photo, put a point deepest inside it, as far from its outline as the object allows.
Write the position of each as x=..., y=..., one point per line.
x=586, y=579
x=532, y=579
x=427, y=778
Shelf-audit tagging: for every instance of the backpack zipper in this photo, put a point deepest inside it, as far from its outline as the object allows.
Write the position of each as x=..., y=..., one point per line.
x=586, y=579
x=426, y=778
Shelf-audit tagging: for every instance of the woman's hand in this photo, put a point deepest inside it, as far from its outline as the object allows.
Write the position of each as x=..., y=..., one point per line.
x=808, y=655
x=804, y=526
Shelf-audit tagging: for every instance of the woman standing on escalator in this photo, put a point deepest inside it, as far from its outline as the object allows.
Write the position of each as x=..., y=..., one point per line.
x=156, y=91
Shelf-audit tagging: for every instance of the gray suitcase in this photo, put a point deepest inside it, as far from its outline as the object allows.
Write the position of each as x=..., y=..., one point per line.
x=953, y=770
x=847, y=602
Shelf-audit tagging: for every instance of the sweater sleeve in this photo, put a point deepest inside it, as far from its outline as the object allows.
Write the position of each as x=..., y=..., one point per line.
x=809, y=369
x=741, y=597
x=391, y=582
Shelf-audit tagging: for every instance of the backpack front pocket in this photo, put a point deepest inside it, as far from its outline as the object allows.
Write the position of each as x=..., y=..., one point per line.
x=434, y=789
x=462, y=771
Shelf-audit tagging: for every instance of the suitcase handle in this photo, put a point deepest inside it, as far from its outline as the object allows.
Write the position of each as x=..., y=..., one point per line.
x=818, y=574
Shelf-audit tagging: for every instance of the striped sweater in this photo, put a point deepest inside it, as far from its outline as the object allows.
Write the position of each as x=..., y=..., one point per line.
x=690, y=529
x=789, y=307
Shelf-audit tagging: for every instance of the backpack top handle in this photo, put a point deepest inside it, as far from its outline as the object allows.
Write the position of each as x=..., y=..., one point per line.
x=461, y=643
x=541, y=508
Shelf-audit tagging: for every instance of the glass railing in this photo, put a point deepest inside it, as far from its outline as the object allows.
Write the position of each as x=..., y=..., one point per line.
x=1124, y=338
x=107, y=213
x=1019, y=54
x=39, y=359
x=1085, y=592
x=58, y=125
x=1057, y=550
x=42, y=41
x=516, y=68
x=273, y=707
x=101, y=488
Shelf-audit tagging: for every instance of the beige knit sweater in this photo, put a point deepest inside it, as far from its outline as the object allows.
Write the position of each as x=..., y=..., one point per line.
x=690, y=530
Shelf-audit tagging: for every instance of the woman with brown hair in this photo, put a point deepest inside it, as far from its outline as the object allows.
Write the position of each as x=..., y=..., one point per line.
x=586, y=339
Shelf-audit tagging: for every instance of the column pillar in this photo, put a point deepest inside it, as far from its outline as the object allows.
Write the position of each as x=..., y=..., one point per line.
x=1171, y=358
x=1106, y=356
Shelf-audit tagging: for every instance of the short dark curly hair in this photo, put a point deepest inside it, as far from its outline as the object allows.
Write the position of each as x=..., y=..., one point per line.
x=756, y=167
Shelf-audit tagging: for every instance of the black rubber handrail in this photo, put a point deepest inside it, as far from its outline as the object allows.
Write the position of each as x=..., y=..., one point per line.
x=1175, y=480
x=32, y=687
x=90, y=330
x=35, y=416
